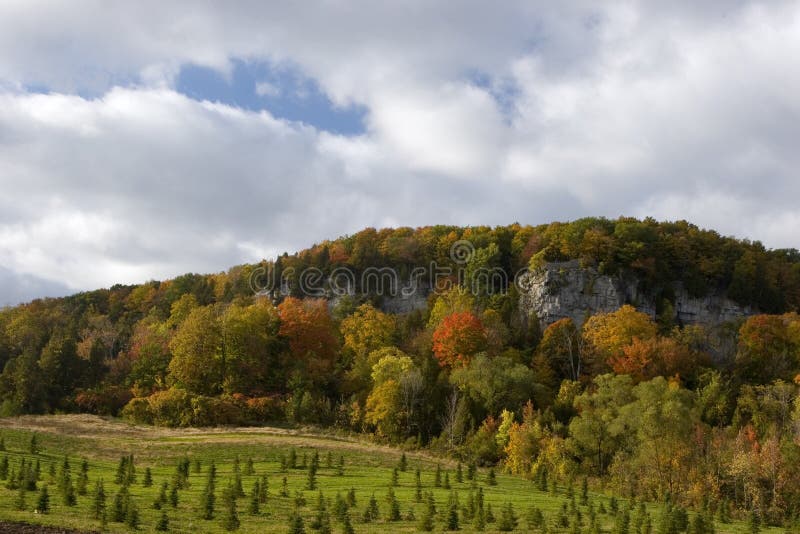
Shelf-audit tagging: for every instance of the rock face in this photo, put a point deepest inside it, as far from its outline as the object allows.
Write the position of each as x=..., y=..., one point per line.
x=566, y=289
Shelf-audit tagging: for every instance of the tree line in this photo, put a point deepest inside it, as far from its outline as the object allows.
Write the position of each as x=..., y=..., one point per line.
x=702, y=416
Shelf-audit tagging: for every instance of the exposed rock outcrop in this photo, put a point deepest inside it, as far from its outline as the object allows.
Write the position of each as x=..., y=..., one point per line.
x=565, y=289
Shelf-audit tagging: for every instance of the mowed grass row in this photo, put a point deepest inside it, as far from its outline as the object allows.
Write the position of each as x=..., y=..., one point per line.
x=367, y=471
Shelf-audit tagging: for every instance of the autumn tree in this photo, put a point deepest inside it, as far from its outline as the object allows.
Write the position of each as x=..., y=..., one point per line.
x=250, y=347
x=149, y=354
x=196, y=363
x=307, y=327
x=562, y=348
x=769, y=348
x=644, y=359
x=364, y=332
x=607, y=333
x=460, y=336
x=395, y=395
x=454, y=300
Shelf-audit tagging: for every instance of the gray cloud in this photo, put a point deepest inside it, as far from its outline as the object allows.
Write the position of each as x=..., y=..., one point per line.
x=679, y=111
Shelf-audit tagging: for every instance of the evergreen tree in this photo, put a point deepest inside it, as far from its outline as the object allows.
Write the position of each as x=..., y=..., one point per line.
x=347, y=525
x=263, y=489
x=19, y=502
x=119, y=478
x=446, y=484
x=417, y=485
x=83, y=478
x=207, y=498
x=2, y=444
x=11, y=482
x=43, y=502
x=395, y=477
x=459, y=473
x=584, y=491
x=534, y=518
x=471, y=469
x=33, y=446
x=371, y=513
x=98, y=501
x=451, y=522
x=253, y=507
x=339, y=507
x=296, y=523
x=394, y=506
x=230, y=519
x=437, y=477
x=325, y=522
x=329, y=460
x=311, y=479
x=479, y=521
x=163, y=522
x=173, y=497
x=340, y=466
x=292, y=463
x=68, y=497
x=132, y=519
x=508, y=520
x=426, y=521
x=403, y=464
x=130, y=471
x=161, y=499
x=121, y=501
x=147, y=481
x=491, y=478
x=351, y=497
x=284, y=488
x=489, y=514
x=248, y=467
x=4, y=467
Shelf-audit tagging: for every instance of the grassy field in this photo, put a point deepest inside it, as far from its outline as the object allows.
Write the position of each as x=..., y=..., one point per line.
x=367, y=470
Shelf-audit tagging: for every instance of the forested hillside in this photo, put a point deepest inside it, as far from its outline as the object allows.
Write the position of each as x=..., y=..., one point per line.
x=708, y=417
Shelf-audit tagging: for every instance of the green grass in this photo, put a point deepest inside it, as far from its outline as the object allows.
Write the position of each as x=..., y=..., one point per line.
x=368, y=470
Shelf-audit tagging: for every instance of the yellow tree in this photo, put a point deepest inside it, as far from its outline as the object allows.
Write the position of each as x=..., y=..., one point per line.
x=364, y=332
x=385, y=404
x=196, y=363
x=455, y=300
x=606, y=334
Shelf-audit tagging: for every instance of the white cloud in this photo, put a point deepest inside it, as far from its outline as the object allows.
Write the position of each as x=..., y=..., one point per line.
x=476, y=115
x=267, y=89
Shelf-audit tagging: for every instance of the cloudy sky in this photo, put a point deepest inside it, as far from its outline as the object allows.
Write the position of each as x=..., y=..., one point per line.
x=140, y=140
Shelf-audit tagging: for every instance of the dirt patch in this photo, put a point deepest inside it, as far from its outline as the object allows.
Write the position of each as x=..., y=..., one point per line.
x=24, y=528
x=116, y=431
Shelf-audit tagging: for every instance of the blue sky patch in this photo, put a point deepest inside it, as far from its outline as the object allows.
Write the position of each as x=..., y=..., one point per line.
x=503, y=91
x=283, y=91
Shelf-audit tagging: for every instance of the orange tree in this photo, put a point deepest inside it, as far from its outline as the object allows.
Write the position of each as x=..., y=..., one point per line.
x=460, y=336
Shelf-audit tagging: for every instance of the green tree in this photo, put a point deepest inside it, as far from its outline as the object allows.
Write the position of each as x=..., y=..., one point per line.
x=230, y=519
x=197, y=363
x=98, y=501
x=43, y=502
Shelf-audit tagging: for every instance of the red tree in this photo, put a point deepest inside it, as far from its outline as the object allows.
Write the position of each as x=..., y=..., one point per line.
x=307, y=326
x=457, y=338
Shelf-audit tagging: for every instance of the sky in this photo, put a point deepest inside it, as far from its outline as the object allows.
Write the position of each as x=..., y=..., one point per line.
x=142, y=140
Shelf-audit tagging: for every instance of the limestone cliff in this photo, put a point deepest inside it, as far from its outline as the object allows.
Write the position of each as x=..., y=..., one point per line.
x=559, y=290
